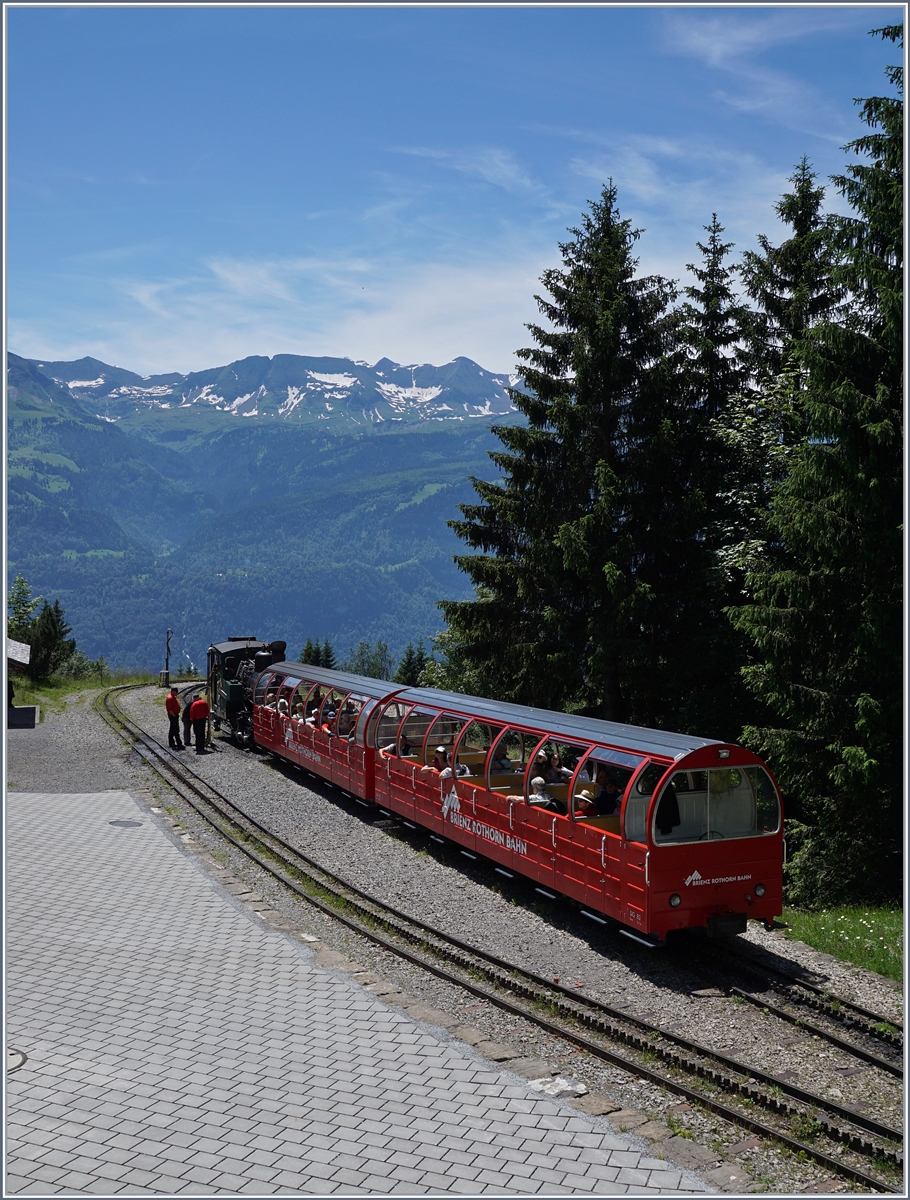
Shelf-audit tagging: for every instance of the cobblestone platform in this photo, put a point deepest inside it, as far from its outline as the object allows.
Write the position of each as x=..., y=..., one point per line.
x=175, y=1046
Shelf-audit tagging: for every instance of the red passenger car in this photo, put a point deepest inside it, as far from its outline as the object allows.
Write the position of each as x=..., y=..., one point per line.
x=657, y=831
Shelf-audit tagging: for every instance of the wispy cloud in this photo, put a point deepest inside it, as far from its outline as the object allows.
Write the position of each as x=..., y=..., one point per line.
x=429, y=312
x=734, y=48
x=492, y=164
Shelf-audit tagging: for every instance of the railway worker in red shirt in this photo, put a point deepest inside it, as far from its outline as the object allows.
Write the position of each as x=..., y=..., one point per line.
x=172, y=705
x=199, y=714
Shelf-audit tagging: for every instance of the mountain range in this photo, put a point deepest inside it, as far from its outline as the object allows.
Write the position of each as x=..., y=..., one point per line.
x=336, y=392
x=285, y=497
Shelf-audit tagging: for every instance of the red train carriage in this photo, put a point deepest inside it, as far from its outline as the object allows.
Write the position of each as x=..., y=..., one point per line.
x=694, y=838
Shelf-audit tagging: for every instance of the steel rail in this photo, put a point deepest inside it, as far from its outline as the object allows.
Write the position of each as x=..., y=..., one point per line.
x=158, y=758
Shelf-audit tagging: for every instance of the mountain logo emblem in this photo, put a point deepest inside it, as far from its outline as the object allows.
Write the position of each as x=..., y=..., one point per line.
x=695, y=877
x=450, y=804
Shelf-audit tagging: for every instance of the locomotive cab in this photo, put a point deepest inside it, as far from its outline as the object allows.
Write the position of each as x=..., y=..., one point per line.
x=231, y=668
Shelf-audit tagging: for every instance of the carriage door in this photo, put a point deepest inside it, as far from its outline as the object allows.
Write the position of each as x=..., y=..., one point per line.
x=436, y=802
x=385, y=743
x=492, y=832
x=634, y=850
x=505, y=782
x=570, y=838
x=409, y=781
x=348, y=759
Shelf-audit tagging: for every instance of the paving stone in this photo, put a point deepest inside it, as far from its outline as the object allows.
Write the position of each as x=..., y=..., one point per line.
x=430, y=1016
x=531, y=1068
x=188, y=1049
x=595, y=1104
x=627, y=1118
x=495, y=1051
x=654, y=1131
x=688, y=1153
x=465, y=1033
x=748, y=1143
x=729, y=1178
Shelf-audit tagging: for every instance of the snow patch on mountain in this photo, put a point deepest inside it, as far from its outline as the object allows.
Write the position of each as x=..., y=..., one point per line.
x=295, y=395
x=334, y=380
x=417, y=395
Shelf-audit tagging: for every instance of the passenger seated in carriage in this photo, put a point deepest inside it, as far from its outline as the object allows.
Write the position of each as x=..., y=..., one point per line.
x=541, y=798
x=440, y=761
x=396, y=750
x=502, y=763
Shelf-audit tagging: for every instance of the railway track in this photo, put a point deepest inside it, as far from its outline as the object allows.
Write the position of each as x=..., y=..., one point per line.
x=845, y=1142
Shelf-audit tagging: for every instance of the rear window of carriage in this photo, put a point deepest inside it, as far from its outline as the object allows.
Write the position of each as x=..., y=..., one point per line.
x=717, y=804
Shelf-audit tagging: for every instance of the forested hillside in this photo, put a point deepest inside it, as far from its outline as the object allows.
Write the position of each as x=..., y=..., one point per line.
x=216, y=524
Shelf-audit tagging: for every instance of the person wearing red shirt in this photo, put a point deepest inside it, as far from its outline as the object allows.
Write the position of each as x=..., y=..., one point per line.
x=199, y=713
x=172, y=704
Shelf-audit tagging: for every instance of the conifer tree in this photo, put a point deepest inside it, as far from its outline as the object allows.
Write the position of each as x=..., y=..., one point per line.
x=21, y=606
x=311, y=653
x=50, y=644
x=825, y=616
x=327, y=657
x=590, y=581
x=791, y=283
x=715, y=325
x=408, y=673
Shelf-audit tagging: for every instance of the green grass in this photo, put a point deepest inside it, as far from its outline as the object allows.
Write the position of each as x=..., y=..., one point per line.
x=869, y=937
x=52, y=693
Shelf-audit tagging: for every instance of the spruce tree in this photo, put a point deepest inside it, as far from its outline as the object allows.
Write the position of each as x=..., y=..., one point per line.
x=408, y=672
x=715, y=325
x=21, y=606
x=327, y=657
x=825, y=616
x=791, y=283
x=590, y=578
x=311, y=653
x=51, y=646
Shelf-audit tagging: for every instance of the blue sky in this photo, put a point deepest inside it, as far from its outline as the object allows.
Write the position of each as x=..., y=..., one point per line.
x=187, y=186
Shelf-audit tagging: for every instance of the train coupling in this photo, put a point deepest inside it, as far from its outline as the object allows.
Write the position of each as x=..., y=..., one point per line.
x=724, y=925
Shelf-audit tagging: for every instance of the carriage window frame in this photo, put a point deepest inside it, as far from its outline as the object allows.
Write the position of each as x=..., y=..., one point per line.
x=323, y=712
x=432, y=736
x=404, y=708
x=302, y=697
x=261, y=684
x=497, y=729
x=276, y=680
x=417, y=750
x=527, y=739
x=365, y=722
x=711, y=818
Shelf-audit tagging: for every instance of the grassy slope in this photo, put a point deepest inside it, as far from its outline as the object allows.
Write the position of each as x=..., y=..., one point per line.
x=868, y=937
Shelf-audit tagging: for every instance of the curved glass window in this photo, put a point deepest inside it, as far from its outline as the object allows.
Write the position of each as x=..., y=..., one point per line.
x=443, y=735
x=387, y=728
x=299, y=699
x=261, y=684
x=271, y=692
x=635, y=813
x=719, y=803
x=505, y=773
x=601, y=784
x=414, y=732
x=473, y=747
